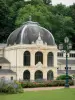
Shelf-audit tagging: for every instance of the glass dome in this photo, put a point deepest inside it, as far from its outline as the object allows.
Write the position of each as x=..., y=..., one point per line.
x=28, y=33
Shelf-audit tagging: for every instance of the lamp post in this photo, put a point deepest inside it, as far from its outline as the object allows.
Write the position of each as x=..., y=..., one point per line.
x=66, y=46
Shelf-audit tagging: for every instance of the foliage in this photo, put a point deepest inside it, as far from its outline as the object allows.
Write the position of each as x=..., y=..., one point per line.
x=8, y=14
x=4, y=20
x=59, y=24
x=45, y=84
x=12, y=87
x=48, y=2
x=63, y=77
x=58, y=19
x=73, y=76
x=36, y=2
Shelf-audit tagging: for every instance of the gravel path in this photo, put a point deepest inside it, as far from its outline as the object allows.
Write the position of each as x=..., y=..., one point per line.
x=45, y=88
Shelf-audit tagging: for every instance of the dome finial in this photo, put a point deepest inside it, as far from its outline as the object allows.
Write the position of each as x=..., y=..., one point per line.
x=30, y=18
x=39, y=40
x=39, y=37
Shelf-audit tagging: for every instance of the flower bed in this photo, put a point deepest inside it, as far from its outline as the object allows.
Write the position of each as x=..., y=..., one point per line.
x=44, y=84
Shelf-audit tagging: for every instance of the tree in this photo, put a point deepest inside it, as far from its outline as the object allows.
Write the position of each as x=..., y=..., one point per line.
x=47, y=2
x=59, y=9
x=58, y=24
x=36, y=2
x=72, y=15
x=4, y=20
x=38, y=13
x=59, y=19
x=65, y=28
x=8, y=14
x=72, y=12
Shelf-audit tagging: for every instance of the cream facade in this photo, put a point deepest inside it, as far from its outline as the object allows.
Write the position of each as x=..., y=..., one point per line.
x=31, y=54
x=15, y=55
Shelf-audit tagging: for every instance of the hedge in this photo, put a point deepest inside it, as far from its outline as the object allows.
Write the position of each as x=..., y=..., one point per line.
x=45, y=84
x=63, y=77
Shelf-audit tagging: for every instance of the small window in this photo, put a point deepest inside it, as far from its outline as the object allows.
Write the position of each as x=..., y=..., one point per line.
x=38, y=57
x=2, y=78
x=58, y=68
x=60, y=54
x=67, y=67
x=70, y=68
x=72, y=55
x=11, y=78
x=50, y=59
x=0, y=67
x=26, y=58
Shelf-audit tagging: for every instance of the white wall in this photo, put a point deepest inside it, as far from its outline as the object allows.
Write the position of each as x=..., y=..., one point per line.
x=7, y=76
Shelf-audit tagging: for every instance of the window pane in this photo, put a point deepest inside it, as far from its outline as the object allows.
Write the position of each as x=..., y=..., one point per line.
x=50, y=59
x=38, y=57
x=27, y=58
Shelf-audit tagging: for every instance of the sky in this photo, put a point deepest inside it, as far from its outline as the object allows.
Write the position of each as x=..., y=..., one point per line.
x=66, y=2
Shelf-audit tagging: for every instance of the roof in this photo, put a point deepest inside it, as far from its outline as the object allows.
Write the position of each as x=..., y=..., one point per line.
x=6, y=71
x=28, y=33
x=63, y=61
x=64, y=72
x=4, y=60
x=2, y=45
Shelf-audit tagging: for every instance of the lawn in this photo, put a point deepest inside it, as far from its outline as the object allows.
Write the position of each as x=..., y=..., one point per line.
x=61, y=94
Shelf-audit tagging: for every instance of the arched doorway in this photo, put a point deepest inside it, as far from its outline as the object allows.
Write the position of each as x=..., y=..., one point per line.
x=50, y=75
x=50, y=59
x=38, y=57
x=26, y=75
x=26, y=58
x=38, y=75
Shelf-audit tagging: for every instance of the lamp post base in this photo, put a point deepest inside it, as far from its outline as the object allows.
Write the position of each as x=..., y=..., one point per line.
x=66, y=85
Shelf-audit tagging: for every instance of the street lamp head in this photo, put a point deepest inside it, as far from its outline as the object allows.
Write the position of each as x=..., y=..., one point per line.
x=60, y=46
x=66, y=40
x=70, y=45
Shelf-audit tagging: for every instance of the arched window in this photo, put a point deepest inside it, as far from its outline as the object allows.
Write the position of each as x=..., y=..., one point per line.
x=38, y=57
x=0, y=67
x=11, y=77
x=26, y=75
x=50, y=75
x=26, y=58
x=38, y=75
x=50, y=59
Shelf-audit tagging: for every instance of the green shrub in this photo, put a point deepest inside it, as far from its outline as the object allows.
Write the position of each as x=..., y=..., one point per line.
x=45, y=84
x=14, y=87
x=10, y=89
x=63, y=77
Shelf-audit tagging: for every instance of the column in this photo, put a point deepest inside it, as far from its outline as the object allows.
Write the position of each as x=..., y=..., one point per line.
x=32, y=58
x=32, y=76
x=55, y=73
x=55, y=59
x=45, y=59
x=45, y=75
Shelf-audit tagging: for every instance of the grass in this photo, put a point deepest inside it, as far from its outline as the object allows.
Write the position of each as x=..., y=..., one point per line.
x=61, y=94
